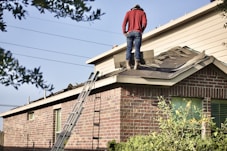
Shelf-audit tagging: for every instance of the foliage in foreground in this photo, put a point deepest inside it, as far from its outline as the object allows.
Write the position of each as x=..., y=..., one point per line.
x=13, y=74
x=77, y=10
x=179, y=131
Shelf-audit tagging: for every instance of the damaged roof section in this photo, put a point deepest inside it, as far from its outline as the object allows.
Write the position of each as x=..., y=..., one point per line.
x=170, y=64
x=176, y=58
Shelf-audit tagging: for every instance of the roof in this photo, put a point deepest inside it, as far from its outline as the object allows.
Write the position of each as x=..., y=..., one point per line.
x=167, y=69
x=172, y=24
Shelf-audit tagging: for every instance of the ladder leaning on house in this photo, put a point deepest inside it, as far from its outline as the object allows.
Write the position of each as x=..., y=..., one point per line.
x=75, y=114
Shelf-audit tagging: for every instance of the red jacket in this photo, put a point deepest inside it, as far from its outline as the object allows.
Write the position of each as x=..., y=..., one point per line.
x=135, y=20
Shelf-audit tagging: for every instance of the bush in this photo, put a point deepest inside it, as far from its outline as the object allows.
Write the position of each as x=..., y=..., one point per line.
x=180, y=129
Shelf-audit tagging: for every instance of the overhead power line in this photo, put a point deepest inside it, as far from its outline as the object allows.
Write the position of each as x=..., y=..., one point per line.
x=76, y=26
x=52, y=51
x=52, y=60
x=8, y=105
x=62, y=36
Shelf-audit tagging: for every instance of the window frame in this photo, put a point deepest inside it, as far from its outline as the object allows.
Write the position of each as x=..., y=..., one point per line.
x=57, y=122
x=30, y=115
x=222, y=111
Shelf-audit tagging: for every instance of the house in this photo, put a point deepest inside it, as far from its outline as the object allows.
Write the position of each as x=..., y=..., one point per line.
x=184, y=59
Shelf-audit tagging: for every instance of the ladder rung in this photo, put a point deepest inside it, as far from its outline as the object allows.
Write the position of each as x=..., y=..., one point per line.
x=68, y=123
x=95, y=137
x=96, y=124
x=74, y=112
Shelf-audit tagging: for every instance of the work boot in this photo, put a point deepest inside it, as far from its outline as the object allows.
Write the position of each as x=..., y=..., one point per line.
x=128, y=65
x=136, y=65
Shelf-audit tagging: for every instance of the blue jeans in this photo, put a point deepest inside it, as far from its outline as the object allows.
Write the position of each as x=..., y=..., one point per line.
x=136, y=38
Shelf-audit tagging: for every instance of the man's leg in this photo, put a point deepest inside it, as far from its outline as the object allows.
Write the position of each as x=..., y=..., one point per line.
x=129, y=49
x=138, y=41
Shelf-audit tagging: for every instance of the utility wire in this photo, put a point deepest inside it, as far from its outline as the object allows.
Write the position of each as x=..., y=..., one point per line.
x=52, y=60
x=52, y=51
x=68, y=24
x=8, y=105
x=56, y=35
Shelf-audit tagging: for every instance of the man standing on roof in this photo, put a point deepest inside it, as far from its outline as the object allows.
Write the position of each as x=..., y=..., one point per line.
x=134, y=24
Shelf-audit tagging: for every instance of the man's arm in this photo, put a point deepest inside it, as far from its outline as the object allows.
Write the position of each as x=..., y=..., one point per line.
x=124, y=24
x=144, y=22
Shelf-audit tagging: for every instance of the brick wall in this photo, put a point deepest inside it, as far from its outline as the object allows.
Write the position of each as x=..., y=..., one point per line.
x=109, y=121
x=138, y=112
x=209, y=82
x=125, y=110
x=38, y=133
x=20, y=132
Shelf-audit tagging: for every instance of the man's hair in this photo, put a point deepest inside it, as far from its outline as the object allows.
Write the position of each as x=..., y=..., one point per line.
x=137, y=6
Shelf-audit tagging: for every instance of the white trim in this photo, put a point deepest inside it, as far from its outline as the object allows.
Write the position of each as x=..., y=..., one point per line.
x=58, y=106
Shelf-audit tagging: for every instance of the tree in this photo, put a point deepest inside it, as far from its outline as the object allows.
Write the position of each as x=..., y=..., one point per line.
x=223, y=8
x=11, y=72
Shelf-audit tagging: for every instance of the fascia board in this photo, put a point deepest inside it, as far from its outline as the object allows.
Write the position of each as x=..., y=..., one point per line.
x=220, y=65
x=146, y=81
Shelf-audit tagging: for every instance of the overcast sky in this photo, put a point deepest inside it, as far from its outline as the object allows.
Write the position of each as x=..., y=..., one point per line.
x=61, y=47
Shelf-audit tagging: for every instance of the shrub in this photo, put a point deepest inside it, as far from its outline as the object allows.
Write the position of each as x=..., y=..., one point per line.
x=180, y=129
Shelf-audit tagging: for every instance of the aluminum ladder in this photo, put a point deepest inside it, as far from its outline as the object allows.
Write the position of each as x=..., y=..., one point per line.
x=75, y=114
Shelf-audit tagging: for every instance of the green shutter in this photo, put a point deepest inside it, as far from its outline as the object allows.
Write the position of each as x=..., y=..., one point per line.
x=219, y=111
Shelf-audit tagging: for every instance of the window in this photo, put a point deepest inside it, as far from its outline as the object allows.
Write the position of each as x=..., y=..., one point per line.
x=182, y=102
x=57, y=122
x=219, y=111
x=30, y=115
